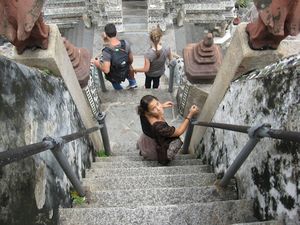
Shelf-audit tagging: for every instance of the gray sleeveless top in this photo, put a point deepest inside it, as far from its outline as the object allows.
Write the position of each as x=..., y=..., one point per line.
x=157, y=65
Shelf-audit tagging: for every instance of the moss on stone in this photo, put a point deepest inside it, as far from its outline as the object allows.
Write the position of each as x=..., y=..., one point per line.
x=262, y=180
x=47, y=86
x=288, y=201
x=289, y=147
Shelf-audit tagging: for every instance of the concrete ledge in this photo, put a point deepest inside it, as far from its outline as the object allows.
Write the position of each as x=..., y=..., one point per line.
x=56, y=59
x=239, y=59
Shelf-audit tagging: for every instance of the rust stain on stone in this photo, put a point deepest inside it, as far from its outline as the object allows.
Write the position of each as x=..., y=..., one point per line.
x=277, y=19
x=21, y=22
x=80, y=59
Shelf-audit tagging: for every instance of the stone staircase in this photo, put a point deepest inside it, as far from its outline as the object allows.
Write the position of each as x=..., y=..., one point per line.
x=135, y=25
x=123, y=189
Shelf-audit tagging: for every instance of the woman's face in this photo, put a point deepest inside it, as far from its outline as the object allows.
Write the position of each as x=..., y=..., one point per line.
x=155, y=108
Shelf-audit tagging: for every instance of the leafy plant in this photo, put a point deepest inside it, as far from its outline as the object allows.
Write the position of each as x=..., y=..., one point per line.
x=76, y=199
x=243, y=3
x=101, y=153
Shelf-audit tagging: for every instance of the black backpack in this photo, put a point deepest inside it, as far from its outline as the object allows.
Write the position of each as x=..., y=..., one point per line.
x=119, y=63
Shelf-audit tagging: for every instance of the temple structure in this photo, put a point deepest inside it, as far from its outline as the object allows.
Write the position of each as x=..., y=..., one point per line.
x=187, y=19
x=202, y=60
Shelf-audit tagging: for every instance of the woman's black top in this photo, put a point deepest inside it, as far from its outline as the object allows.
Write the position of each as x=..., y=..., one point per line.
x=162, y=133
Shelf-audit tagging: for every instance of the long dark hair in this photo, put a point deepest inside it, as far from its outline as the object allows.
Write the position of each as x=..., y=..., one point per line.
x=144, y=103
x=142, y=109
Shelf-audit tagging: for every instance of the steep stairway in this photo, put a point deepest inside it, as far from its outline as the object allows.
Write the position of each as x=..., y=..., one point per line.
x=124, y=189
x=135, y=25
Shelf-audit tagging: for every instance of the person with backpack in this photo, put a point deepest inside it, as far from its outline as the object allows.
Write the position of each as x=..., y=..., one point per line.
x=155, y=59
x=116, y=59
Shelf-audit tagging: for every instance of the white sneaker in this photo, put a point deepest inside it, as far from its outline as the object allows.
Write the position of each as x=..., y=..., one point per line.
x=132, y=86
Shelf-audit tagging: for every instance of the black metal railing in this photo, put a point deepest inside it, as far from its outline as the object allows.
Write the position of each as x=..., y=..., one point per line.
x=255, y=133
x=55, y=145
x=91, y=92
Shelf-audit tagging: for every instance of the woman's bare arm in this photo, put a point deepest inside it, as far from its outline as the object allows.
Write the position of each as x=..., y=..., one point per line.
x=145, y=68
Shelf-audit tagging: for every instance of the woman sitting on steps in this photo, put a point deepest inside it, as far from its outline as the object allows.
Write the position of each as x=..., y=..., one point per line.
x=160, y=141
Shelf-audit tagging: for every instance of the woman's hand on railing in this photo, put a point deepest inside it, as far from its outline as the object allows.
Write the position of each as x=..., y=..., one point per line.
x=194, y=110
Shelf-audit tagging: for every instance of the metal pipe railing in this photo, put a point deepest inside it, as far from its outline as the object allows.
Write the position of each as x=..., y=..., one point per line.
x=55, y=145
x=100, y=76
x=104, y=134
x=255, y=133
x=172, y=65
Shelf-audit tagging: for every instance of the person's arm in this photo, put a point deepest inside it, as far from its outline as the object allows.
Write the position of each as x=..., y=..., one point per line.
x=103, y=66
x=145, y=68
x=170, y=55
x=130, y=58
x=167, y=104
x=183, y=126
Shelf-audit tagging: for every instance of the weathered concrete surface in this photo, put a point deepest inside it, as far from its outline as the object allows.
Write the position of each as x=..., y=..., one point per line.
x=56, y=59
x=270, y=175
x=239, y=59
x=34, y=105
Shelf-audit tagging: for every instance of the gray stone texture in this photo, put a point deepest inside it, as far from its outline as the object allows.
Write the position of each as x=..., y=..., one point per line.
x=139, y=182
x=197, y=213
x=148, y=171
x=270, y=174
x=34, y=105
x=159, y=196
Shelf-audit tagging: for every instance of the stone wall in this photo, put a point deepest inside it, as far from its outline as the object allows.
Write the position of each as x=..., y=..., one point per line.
x=271, y=174
x=34, y=105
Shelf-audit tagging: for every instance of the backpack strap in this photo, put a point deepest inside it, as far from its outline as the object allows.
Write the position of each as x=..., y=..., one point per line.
x=123, y=45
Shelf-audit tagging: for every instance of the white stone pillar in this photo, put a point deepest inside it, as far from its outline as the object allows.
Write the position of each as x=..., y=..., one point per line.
x=56, y=59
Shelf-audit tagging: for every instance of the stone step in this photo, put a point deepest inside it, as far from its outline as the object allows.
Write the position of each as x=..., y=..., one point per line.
x=129, y=19
x=140, y=182
x=136, y=12
x=134, y=4
x=127, y=164
x=139, y=41
x=134, y=96
x=135, y=27
x=159, y=196
x=138, y=158
x=149, y=171
x=212, y=213
x=271, y=222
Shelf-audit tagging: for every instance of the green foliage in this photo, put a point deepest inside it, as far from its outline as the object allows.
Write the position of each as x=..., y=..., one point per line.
x=101, y=153
x=243, y=3
x=47, y=71
x=77, y=200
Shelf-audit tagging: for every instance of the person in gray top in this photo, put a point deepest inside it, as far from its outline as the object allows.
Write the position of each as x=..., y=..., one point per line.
x=155, y=59
x=105, y=64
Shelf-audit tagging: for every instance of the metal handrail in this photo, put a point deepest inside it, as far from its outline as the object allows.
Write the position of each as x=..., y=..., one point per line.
x=255, y=133
x=172, y=65
x=272, y=133
x=55, y=145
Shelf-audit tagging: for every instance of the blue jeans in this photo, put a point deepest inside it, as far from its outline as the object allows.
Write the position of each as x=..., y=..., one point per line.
x=118, y=86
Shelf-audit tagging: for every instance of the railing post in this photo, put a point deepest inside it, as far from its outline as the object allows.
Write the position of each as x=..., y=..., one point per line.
x=188, y=136
x=254, y=133
x=103, y=129
x=172, y=65
x=63, y=162
x=101, y=79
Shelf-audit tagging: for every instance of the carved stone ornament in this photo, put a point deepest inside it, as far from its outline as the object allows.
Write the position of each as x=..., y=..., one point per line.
x=276, y=20
x=22, y=24
x=80, y=59
x=202, y=60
